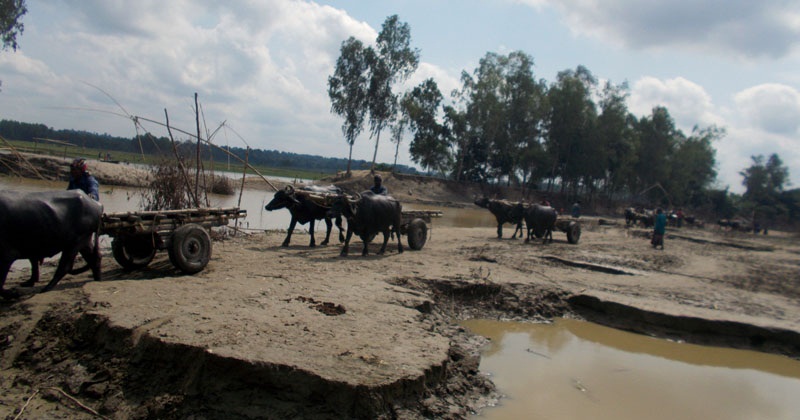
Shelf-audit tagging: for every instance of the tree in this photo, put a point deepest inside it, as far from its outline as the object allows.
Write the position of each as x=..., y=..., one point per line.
x=764, y=181
x=616, y=135
x=393, y=62
x=692, y=166
x=571, y=126
x=11, y=12
x=347, y=89
x=429, y=147
x=657, y=140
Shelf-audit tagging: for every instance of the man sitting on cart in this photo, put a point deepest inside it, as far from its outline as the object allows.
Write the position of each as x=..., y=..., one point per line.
x=378, y=188
x=80, y=178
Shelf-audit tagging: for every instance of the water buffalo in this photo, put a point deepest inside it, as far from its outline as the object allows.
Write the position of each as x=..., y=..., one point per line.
x=539, y=221
x=304, y=210
x=505, y=212
x=39, y=225
x=646, y=218
x=367, y=215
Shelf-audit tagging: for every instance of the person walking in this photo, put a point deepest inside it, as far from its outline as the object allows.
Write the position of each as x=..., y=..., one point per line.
x=659, y=229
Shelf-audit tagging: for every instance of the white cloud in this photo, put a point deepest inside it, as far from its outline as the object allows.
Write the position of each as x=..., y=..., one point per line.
x=742, y=27
x=687, y=102
x=774, y=108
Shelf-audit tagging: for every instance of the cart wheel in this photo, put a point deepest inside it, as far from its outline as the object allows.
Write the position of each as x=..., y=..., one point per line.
x=573, y=232
x=190, y=249
x=132, y=252
x=417, y=234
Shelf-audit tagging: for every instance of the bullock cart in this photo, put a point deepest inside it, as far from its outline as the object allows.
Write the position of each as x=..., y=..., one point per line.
x=415, y=226
x=415, y=223
x=570, y=226
x=183, y=233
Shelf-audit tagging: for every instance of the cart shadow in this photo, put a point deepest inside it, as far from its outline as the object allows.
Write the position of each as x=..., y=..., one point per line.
x=159, y=268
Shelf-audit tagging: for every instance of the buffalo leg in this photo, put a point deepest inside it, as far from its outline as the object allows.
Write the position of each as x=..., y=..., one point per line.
x=91, y=255
x=386, y=234
x=399, y=243
x=311, y=232
x=64, y=266
x=6, y=294
x=292, y=224
x=339, y=225
x=329, y=226
x=499, y=230
x=34, y=273
x=346, y=246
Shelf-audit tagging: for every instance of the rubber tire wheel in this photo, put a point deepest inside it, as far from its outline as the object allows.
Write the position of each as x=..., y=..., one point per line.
x=133, y=252
x=573, y=232
x=190, y=249
x=417, y=233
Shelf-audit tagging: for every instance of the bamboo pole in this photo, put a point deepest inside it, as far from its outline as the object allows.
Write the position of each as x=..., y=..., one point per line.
x=180, y=163
x=229, y=153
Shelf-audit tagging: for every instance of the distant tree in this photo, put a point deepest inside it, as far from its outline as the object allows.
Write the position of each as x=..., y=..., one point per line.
x=11, y=12
x=572, y=119
x=692, y=166
x=616, y=135
x=348, y=88
x=392, y=62
x=429, y=147
x=657, y=140
x=764, y=181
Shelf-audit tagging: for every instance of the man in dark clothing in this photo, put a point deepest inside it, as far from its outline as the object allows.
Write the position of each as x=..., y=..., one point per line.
x=378, y=188
x=576, y=209
x=79, y=178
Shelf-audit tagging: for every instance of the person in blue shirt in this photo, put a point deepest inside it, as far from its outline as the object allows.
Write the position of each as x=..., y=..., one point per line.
x=378, y=188
x=659, y=228
x=80, y=178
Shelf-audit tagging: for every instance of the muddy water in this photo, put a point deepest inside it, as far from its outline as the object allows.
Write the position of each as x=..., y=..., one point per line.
x=121, y=199
x=578, y=370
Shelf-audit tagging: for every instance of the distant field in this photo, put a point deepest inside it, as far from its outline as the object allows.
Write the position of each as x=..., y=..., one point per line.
x=70, y=151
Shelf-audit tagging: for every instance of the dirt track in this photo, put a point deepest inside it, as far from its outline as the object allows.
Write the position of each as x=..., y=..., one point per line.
x=272, y=332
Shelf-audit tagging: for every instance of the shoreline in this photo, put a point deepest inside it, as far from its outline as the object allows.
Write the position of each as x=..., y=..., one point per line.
x=268, y=331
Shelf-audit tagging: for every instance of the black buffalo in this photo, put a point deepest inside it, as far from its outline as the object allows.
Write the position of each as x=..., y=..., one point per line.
x=539, y=221
x=34, y=226
x=367, y=215
x=505, y=212
x=644, y=217
x=304, y=210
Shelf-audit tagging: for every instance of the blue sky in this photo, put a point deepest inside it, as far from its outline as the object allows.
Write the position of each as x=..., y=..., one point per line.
x=262, y=65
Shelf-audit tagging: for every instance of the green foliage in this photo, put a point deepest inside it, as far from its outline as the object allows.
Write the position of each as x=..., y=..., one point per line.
x=764, y=196
x=347, y=89
x=429, y=147
x=11, y=12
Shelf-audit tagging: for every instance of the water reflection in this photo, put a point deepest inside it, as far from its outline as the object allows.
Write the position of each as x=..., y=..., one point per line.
x=572, y=369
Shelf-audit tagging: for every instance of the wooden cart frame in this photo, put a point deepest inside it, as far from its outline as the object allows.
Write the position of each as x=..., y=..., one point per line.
x=570, y=226
x=183, y=233
x=415, y=226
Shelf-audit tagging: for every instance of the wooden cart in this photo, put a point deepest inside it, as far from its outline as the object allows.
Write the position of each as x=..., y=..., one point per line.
x=570, y=226
x=415, y=226
x=183, y=233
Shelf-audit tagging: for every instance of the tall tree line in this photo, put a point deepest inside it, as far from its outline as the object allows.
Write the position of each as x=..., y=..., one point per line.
x=504, y=126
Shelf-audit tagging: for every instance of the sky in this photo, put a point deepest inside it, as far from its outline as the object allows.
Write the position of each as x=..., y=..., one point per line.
x=261, y=66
